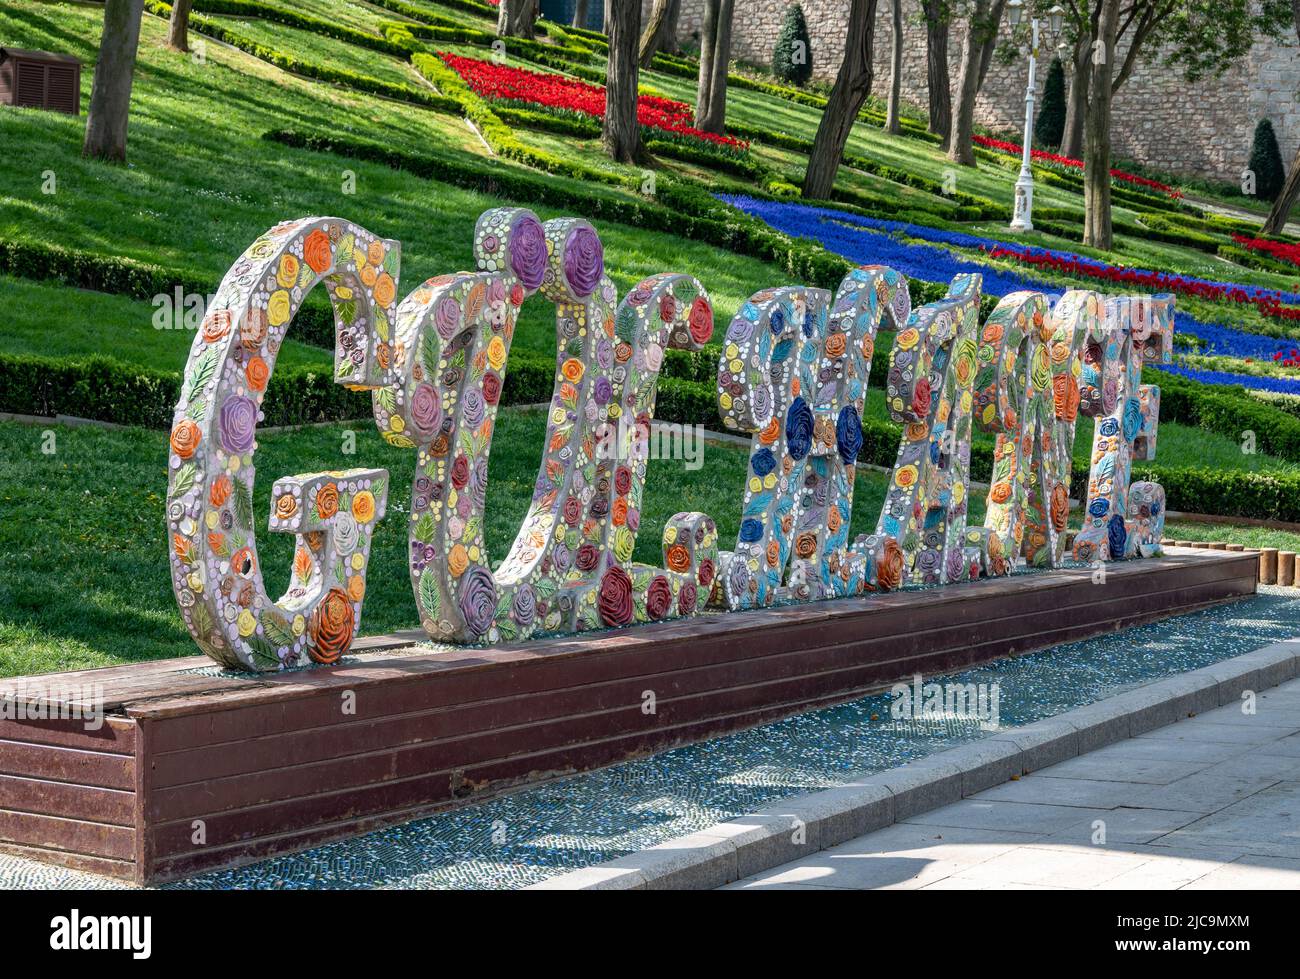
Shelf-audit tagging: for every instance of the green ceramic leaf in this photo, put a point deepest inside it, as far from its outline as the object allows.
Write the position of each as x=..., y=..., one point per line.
x=430, y=596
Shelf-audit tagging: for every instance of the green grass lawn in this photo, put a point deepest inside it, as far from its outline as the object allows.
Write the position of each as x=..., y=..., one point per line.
x=84, y=580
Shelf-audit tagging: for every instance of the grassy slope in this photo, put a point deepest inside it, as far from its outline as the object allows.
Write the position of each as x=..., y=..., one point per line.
x=83, y=563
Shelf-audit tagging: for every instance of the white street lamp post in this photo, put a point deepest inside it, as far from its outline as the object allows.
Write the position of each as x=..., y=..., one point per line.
x=1022, y=217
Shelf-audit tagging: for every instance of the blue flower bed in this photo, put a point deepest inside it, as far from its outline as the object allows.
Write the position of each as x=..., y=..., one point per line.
x=878, y=241
x=1278, y=385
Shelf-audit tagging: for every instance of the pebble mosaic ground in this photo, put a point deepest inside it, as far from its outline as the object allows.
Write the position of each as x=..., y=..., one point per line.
x=533, y=834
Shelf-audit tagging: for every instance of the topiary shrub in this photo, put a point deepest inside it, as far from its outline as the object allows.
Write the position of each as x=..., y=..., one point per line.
x=1049, y=128
x=792, y=56
x=1266, y=162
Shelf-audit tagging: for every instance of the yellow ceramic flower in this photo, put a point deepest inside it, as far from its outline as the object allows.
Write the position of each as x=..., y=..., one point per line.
x=363, y=506
x=287, y=275
x=299, y=625
x=247, y=623
x=277, y=310
x=496, y=353
x=396, y=423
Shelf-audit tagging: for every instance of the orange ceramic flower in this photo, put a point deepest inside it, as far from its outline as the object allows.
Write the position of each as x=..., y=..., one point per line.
x=771, y=431
x=619, y=511
x=889, y=574
x=185, y=438
x=220, y=491
x=375, y=253
x=215, y=325
x=835, y=345
x=773, y=553
x=331, y=627
x=257, y=373
x=572, y=370
x=458, y=560
x=363, y=506
x=385, y=289
x=805, y=545
x=327, y=501
x=316, y=251
x=286, y=506
x=678, y=558
x=356, y=588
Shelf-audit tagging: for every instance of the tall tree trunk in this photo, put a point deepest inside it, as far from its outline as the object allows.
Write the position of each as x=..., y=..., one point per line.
x=852, y=86
x=895, y=67
x=662, y=26
x=1096, y=160
x=708, y=41
x=515, y=18
x=715, y=58
x=1277, y=215
x=622, y=131
x=960, y=149
x=178, y=28
x=936, y=66
x=580, y=12
x=110, y=95
x=990, y=45
x=1076, y=104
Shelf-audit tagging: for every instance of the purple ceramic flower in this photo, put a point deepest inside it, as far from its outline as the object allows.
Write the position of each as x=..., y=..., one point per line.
x=238, y=423
x=478, y=599
x=425, y=410
x=525, y=605
x=473, y=407
x=528, y=251
x=584, y=260
x=446, y=317
x=603, y=390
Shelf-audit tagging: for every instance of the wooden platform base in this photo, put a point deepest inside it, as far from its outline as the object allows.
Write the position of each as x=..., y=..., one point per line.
x=193, y=771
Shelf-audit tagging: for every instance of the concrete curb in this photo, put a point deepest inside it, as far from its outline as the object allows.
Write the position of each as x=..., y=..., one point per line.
x=799, y=826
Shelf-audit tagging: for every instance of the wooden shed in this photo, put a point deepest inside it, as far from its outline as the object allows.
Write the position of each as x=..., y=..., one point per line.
x=41, y=80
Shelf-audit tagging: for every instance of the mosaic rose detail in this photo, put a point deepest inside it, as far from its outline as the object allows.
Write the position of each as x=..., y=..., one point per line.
x=659, y=597
x=584, y=260
x=331, y=627
x=478, y=599
x=614, y=601
x=528, y=252
x=238, y=423
x=524, y=605
x=426, y=412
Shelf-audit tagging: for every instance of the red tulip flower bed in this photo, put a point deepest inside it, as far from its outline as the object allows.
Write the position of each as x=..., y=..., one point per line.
x=519, y=86
x=1067, y=161
x=1277, y=249
x=1269, y=304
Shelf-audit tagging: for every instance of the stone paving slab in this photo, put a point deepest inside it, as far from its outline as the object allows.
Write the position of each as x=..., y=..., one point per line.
x=1024, y=804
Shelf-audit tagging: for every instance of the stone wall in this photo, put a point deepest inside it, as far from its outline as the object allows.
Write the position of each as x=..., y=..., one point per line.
x=1201, y=129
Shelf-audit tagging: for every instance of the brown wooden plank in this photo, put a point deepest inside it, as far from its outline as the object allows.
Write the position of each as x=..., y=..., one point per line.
x=115, y=736
x=74, y=835
x=496, y=748
x=85, y=802
x=518, y=704
x=59, y=764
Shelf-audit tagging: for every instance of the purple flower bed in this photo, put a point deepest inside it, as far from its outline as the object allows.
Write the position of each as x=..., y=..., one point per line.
x=874, y=241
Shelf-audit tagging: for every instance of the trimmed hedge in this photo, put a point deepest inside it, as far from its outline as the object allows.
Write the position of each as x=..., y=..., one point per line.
x=119, y=276
x=264, y=11
x=1229, y=410
x=281, y=59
